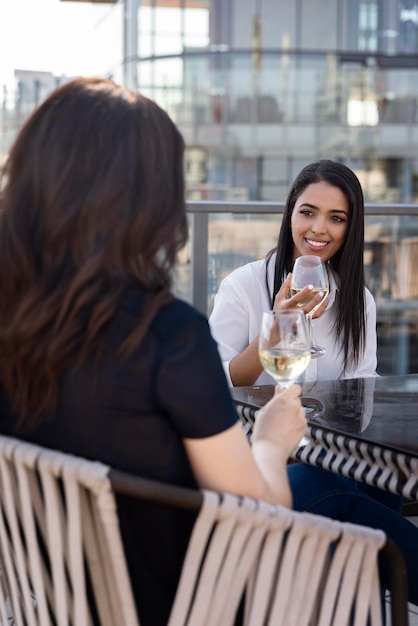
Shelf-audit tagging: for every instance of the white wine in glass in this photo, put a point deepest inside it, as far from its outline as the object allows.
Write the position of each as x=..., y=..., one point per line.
x=310, y=270
x=284, y=345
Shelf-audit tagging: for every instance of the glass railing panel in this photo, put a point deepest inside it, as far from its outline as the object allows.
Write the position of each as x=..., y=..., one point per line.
x=391, y=259
x=234, y=240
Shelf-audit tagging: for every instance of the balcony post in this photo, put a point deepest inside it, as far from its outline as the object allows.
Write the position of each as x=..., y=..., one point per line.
x=200, y=261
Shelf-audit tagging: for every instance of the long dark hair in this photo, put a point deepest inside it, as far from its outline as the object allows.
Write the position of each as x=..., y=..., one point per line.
x=92, y=201
x=347, y=262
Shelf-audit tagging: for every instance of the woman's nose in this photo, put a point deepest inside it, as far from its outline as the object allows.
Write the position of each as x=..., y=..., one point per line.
x=319, y=226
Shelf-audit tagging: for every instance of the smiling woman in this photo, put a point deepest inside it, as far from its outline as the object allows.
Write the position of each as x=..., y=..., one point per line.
x=323, y=216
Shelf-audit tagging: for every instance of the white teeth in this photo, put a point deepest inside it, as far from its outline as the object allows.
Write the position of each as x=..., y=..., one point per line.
x=316, y=244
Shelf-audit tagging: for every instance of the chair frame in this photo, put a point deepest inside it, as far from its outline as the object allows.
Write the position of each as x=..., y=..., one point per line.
x=59, y=520
x=134, y=486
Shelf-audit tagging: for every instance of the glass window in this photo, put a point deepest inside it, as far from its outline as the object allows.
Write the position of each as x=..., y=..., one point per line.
x=168, y=30
x=408, y=27
x=368, y=20
x=278, y=24
x=242, y=23
x=169, y=26
x=168, y=73
x=241, y=89
x=196, y=28
x=319, y=27
x=145, y=74
x=145, y=29
x=274, y=169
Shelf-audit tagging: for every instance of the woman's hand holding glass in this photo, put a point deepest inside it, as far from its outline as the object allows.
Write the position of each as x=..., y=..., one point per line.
x=314, y=306
x=285, y=350
x=282, y=420
x=311, y=271
x=309, y=293
x=284, y=345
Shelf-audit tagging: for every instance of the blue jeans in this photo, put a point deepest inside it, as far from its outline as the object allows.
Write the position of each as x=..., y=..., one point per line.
x=320, y=491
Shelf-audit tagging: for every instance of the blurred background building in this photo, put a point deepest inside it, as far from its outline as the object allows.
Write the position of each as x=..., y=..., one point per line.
x=261, y=87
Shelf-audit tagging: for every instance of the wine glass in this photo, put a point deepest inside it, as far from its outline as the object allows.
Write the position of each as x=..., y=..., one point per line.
x=310, y=270
x=284, y=351
x=284, y=345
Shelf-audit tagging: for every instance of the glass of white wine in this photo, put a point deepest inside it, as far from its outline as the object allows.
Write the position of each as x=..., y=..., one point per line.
x=284, y=351
x=310, y=270
x=284, y=345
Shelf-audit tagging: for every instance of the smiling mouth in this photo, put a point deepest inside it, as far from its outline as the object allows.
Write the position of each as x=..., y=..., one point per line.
x=316, y=244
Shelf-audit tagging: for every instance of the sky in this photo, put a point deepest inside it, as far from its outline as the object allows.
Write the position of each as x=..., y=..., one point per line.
x=61, y=37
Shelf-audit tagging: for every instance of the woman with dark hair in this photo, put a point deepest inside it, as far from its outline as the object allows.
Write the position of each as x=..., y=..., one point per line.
x=97, y=357
x=323, y=216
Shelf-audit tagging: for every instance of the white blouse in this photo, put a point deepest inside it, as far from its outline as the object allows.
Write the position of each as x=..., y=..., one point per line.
x=236, y=320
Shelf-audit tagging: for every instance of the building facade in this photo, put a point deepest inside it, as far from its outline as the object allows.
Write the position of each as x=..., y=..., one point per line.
x=261, y=87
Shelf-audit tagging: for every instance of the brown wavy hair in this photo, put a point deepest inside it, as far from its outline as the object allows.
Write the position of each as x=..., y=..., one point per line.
x=92, y=200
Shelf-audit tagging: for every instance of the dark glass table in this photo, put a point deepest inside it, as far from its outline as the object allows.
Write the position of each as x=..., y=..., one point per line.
x=368, y=428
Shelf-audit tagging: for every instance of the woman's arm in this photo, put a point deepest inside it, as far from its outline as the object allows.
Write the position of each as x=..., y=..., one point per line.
x=225, y=462
x=232, y=318
x=245, y=368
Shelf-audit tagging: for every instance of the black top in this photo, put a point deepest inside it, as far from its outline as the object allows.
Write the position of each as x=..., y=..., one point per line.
x=133, y=414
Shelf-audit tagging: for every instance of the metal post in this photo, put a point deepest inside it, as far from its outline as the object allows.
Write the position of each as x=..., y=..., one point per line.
x=200, y=232
x=130, y=43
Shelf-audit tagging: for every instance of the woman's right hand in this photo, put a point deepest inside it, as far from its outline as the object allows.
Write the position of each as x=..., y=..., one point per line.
x=282, y=420
x=225, y=462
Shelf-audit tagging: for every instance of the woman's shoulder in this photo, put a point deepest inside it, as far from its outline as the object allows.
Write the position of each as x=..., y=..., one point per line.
x=370, y=302
x=172, y=316
x=175, y=323
x=368, y=294
x=179, y=312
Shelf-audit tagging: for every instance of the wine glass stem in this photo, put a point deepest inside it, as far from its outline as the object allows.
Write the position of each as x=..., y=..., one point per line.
x=284, y=384
x=309, y=322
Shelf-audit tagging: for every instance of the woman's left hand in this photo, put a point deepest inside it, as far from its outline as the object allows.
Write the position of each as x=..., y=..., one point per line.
x=281, y=301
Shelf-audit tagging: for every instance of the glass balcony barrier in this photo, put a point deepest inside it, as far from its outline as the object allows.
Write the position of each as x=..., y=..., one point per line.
x=225, y=235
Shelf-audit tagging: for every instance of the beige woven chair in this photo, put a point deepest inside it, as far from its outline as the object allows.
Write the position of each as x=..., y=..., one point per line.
x=59, y=523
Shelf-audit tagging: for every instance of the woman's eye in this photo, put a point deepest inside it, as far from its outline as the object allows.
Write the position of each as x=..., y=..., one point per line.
x=306, y=212
x=337, y=218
